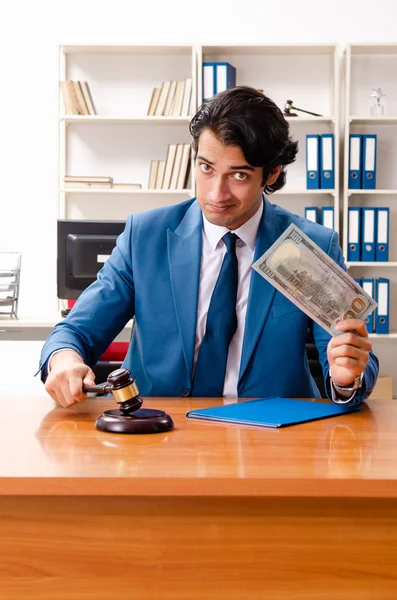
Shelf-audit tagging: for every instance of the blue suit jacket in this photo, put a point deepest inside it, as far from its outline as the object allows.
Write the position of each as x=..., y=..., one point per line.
x=153, y=274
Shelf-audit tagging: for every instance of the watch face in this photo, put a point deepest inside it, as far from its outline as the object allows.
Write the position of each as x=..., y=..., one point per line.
x=357, y=382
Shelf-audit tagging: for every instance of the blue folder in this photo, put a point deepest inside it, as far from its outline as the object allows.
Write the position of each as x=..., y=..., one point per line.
x=272, y=412
x=382, y=234
x=368, y=234
x=313, y=158
x=327, y=177
x=354, y=234
x=369, y=162
x=355, y=160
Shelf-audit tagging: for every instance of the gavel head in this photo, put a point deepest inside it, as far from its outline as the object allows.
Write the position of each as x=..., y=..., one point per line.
x=288, y=106
x=124, y=390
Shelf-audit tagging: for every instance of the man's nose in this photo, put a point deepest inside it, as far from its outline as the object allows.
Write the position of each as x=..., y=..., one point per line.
x=219, y=191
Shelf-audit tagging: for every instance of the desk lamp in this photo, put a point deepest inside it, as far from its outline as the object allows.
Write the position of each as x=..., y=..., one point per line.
x=129, y=417
x=289, y=106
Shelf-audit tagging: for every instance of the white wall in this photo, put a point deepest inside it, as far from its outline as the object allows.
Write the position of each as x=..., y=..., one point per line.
x=30, y=32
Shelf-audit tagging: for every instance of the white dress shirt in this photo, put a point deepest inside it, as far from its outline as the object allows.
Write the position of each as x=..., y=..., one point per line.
x=212, y=254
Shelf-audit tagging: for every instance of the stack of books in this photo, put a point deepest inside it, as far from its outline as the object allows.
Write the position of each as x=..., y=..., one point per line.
x=172, y=99
x=80, y=181
x=172, y=173
x=77, y=98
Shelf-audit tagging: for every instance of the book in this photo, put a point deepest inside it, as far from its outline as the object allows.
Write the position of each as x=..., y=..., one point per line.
x=184, y=168
x=177, y=107
x=153, y=174
x=88, y=184
x=160, y=175
x=127, y=186
x=83, y=110
x=164, y=90
x=176, y=167
x=186, y=98
x=153, y=102
x=85, y=90
x=88, y=178
x=69, y=99
x=73, y=94
x=170, y=99
x=169, y=164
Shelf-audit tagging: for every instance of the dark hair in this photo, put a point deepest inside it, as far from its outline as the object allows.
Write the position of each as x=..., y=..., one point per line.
x=242, y=116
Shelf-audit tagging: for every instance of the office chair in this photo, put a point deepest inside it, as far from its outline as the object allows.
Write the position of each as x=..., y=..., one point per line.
x=314, y=363
x=110, y=360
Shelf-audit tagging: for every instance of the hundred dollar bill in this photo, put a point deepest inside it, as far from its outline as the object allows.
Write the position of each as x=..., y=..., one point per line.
x=307, y=276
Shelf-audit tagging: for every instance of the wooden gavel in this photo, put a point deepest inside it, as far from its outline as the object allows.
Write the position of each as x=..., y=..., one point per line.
x=124, y=389
x=129, y=417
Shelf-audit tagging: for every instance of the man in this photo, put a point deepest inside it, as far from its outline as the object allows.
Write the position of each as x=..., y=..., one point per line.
x=206, y=324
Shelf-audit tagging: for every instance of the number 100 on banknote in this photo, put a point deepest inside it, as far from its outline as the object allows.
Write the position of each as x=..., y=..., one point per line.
x=313, y=281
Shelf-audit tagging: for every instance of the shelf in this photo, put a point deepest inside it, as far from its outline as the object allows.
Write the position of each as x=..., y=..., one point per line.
x=373, y=49
x=74, y=119
x=139, y=49
x=272, y=49
x=142, y=192
x=383, y=336
x=385, y=120
x=286, y=192
x=309, y=119
x=376, y=192
x=371, y=264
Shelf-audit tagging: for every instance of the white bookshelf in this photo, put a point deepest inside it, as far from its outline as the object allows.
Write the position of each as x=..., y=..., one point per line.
x=384, y=120
x=116, y=191
x=370, y=66
x=383, y=336
x=380, y=265
x=372, y=192
x=73, y=119
x=120, y=141
x=309, y=75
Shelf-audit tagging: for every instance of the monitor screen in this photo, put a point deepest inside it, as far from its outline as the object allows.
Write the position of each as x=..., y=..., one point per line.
x=83, y=248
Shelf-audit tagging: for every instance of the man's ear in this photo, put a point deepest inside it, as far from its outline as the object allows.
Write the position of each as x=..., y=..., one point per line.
x=273, y=175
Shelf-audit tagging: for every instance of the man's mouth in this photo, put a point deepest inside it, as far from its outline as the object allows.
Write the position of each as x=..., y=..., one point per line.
x=220, y=208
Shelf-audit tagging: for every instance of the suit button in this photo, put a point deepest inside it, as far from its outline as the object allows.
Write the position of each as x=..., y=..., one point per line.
x=185, y=392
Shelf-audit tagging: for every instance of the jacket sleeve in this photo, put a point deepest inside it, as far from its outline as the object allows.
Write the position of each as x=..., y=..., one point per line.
x=322, y=338
x=101, y=311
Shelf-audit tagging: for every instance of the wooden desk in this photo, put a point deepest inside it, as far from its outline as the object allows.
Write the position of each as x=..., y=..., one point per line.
x=205, y=511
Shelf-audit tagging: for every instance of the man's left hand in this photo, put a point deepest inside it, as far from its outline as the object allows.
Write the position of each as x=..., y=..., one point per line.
x=348, y=352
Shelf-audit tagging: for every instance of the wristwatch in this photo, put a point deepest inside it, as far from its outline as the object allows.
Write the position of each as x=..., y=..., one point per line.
x=351, y=388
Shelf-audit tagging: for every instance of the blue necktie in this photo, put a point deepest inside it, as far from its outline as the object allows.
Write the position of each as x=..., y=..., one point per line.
x=221, y=325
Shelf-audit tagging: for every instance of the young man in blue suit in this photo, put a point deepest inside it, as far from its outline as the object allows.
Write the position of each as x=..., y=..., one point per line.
x=188, y=339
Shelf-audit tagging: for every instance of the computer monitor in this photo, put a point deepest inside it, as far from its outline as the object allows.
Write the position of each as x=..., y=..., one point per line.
x=83, y=248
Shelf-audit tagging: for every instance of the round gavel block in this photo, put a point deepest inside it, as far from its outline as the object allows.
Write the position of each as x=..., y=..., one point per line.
x=143, y=420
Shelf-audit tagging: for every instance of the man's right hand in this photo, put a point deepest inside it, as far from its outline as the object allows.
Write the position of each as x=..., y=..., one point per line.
x=66, y=377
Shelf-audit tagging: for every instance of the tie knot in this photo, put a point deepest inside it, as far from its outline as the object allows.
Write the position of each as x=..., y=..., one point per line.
x=230, y=240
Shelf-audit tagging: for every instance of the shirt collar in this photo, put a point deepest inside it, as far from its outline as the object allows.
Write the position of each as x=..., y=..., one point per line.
x=246, y=232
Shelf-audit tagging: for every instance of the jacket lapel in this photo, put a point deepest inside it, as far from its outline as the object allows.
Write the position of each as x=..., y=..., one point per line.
x=261, y=292
x=184, y=256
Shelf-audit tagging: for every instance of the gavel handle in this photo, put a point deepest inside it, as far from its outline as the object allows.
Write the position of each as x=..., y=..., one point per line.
x=306, y=111
x=102, y=388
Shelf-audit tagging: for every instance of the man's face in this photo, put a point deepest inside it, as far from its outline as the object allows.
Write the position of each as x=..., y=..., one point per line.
x=229, y=190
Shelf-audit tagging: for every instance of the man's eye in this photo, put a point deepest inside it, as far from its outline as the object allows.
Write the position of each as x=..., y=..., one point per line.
x=205, y=168
x=240, y=176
